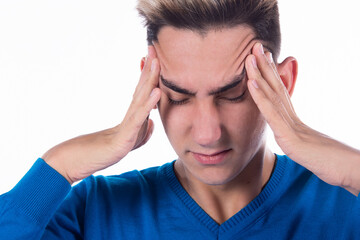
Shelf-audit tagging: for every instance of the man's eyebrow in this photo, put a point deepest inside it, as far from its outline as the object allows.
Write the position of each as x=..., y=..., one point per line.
x=235, y=81
x=176, y=88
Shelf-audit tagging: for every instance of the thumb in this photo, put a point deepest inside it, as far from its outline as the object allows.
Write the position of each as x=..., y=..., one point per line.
x=147, y=136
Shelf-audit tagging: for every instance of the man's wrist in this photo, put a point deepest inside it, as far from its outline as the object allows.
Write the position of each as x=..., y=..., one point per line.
x=352, y=175
x=57, y=164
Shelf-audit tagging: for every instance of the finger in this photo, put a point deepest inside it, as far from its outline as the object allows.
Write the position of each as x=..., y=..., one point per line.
x=147, y=136
x=270, y=74
x=254, y=73
x=141, y=107
x=267, y=100
x=146, y=69
x=134, y=130
x=265, y=77
x=151, y=82
x=142, y=132
x=286, y=98
x=147, y=97
x=131, y=128
x=274, y=114
x=152, y=51
x=145, y=73
x=149, y=131
x=268, y=68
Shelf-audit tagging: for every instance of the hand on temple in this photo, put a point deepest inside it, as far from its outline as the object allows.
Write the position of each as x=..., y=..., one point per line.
x=84, y=155
x=271, y=86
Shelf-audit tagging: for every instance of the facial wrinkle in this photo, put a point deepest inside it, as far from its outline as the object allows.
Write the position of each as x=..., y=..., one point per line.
x=250, y=41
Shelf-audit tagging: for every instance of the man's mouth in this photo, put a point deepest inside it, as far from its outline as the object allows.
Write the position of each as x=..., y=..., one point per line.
x=211, y=158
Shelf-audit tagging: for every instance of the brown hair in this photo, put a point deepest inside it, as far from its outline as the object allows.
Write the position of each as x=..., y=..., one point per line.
x=203, y=15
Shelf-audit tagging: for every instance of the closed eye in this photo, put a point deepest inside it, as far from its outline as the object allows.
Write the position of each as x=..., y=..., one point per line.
x=184, y=101
x=235, y=99
x=177, y=102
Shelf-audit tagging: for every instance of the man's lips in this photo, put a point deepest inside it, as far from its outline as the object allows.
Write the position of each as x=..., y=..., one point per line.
x=211, y=159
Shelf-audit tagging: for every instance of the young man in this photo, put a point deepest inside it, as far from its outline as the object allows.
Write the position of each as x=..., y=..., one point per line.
x=213, y=74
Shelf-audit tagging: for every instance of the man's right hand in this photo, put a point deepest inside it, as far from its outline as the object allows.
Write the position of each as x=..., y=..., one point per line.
x=82, y=156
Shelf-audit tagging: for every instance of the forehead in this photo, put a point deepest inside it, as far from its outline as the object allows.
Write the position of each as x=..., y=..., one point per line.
x=187, y=55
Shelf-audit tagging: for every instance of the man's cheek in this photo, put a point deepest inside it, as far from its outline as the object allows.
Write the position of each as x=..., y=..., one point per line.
x=237, y=112
x=174, y=119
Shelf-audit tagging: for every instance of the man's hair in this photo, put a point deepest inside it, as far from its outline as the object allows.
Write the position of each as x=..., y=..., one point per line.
x=262, y=16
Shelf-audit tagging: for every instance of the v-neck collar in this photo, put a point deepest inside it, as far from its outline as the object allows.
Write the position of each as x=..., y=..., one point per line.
x=254, y=210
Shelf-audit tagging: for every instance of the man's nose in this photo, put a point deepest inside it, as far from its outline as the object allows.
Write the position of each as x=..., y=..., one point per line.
x=206, y=127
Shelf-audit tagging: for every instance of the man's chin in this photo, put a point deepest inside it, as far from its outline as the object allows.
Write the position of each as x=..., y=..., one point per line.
x=216, y=177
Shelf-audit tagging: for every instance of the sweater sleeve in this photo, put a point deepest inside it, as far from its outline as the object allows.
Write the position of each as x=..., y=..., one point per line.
x=26, y=210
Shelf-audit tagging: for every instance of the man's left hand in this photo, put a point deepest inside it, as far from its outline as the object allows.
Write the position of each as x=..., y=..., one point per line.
x=330, y=160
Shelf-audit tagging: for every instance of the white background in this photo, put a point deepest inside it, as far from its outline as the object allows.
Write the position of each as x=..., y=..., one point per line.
x=69, y=67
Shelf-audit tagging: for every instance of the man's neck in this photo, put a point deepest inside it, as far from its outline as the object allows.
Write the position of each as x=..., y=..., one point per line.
x=221, y=202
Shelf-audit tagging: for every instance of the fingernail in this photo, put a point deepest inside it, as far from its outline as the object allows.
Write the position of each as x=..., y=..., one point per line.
x=270, y=58
x=152, y=93
x=261, y=49
x=254, y=83
x=253, y=60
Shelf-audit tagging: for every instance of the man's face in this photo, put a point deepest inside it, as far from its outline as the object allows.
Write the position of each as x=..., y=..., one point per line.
x=206, y=109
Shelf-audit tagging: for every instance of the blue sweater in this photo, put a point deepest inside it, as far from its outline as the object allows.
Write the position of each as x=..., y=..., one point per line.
x=151, y=204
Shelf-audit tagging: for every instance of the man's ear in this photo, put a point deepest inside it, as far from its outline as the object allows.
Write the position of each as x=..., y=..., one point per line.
x=142, y=63
x=288, y=71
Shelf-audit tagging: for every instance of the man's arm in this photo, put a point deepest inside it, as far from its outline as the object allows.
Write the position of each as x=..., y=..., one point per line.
x=28, y=207
x=331, y=160
x=26, y=210
x=82, y=156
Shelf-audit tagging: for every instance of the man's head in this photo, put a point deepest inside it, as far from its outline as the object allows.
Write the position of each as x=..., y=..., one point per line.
x=207, y=111
x=261, y=16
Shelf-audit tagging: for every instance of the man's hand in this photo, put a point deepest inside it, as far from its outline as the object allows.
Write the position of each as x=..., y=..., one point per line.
x=82, y=156
x=332, y=161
